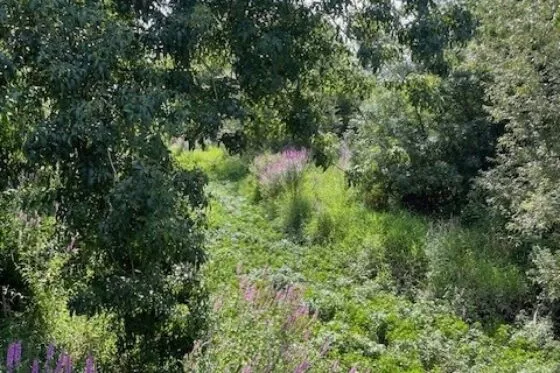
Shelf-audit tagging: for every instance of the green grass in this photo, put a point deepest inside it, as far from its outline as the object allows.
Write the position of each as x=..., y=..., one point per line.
x=366, y=273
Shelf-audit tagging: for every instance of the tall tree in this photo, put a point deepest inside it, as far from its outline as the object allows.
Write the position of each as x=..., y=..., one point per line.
x=426, y=134
x=127, y=217
x=519, y=45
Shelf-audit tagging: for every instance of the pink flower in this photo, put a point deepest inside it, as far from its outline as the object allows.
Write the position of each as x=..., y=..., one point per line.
x=250, y=293
x=17, y=353
x=302, y=310
x=303, y=367
x=68, y=364
x=353, y=370
x=275, y=169
x=90, y=365
x=10, y=357
x=50, y=352
x=280, y=295
x=35, y=366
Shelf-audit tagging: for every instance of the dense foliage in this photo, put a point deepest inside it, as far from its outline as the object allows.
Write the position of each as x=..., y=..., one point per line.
x=280, y=185
x=522, y=189
x=421, y=146
x=360, y=289
x=127, y=226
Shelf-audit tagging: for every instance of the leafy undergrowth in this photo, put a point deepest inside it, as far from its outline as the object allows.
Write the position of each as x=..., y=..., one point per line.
x=349, y=292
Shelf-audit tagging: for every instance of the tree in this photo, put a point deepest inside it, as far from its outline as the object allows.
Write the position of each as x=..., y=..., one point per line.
x=128, y=220
x=91, y=94
x=425, y=134
x=422, y=145
x=518, y=45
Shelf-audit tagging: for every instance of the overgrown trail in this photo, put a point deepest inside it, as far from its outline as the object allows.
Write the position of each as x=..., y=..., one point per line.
x=239, y=235
x=353, y=267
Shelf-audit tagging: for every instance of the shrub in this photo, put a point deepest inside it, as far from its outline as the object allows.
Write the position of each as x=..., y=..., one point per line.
x=324, y=228
x=421, y=145
x=296, y=214
x=472, y=269
x=282, y=174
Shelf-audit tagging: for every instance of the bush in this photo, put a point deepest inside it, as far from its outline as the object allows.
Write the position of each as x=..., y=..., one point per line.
x=280, y=176
x=34, y=305
x=472, y=269
x=421, y=145
x=324, y=228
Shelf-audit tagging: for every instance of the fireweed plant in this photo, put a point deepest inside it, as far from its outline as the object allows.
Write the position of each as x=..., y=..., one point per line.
x=281, y=175
x=281, y=171
x=276, y=332
x=63, y=364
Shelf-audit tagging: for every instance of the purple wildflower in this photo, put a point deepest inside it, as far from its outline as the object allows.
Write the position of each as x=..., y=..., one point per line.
x=17, y=353
x=50, y=352
x=35, y=366
x=247, y=369
x=273, y=170
x=353, y=370
x=60, y=363
x=49, y=357
x=90, y=365
x=250, y=293
x=302, y=310
x=68, y=364
x=10, y=357
x=14, y=356
x=303, y=367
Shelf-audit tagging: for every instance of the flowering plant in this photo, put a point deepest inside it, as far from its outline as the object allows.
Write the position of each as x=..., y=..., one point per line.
x=281, y=170
x=275, y=330
x=64, y=364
